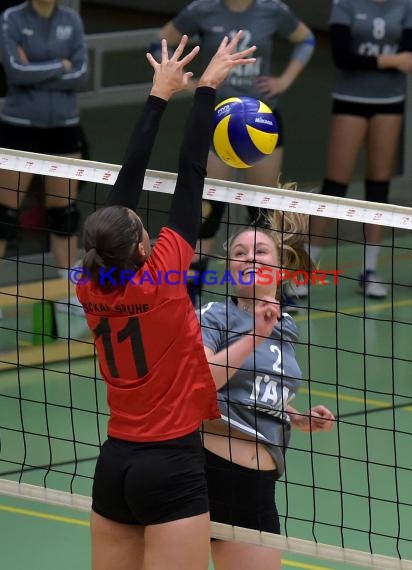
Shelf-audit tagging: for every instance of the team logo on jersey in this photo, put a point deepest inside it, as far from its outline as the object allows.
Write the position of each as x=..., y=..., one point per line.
x=64, y=32
x=361, y=16
x=27, y=32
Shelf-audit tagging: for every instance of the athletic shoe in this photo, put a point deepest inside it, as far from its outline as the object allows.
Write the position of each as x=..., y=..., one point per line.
x=372, y=285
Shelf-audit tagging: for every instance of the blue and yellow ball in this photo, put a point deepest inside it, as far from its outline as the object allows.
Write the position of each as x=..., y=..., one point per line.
x=245, y=131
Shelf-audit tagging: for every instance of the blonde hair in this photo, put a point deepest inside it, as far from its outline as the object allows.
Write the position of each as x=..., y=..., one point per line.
x=289, y=231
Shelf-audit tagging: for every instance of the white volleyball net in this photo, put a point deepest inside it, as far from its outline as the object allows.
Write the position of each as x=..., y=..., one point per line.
x=345, y=495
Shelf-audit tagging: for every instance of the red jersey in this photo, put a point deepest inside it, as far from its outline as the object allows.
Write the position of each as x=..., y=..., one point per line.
x=150, y=350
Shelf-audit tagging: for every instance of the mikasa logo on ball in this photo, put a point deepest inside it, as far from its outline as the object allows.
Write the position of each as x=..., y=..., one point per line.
x=264, y=121
x=222, y=110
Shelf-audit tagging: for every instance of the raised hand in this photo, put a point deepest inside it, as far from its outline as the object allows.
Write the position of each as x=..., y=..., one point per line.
x=224, y=60
x=267, y=314
x=169, y=75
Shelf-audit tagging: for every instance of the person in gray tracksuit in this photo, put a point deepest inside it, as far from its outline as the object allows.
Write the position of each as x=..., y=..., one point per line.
x=45, y=59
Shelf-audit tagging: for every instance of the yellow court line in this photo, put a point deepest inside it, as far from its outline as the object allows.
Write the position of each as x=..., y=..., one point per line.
x=373, y=308
x=40, y=515
x=70, y=520
x=346, y=398
x=302, y=565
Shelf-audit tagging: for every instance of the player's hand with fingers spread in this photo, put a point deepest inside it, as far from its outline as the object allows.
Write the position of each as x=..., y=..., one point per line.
x=317, y=418
x=169, y=75
x=267, y=314
x=224, y=60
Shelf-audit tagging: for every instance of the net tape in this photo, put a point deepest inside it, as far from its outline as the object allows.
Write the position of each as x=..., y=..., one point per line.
x=237, y=193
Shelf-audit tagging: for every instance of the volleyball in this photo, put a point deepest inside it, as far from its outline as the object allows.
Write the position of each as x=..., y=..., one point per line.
x=245, y=131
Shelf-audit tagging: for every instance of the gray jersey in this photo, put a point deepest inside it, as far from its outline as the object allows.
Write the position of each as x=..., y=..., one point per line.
x=255, y=398
x=212, y=20
x=376, y=28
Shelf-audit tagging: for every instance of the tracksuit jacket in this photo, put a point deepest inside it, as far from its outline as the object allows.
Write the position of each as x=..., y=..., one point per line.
x=41, y=93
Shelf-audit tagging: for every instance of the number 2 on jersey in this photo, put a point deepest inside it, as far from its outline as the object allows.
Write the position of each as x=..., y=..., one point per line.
x=130, y=331
x=277, y=365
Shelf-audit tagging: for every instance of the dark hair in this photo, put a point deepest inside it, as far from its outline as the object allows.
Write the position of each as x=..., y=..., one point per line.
x=110, y=238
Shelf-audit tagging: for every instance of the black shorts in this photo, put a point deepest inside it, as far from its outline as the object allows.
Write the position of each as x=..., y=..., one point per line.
x=240, y=496
x=151, y=482
x=56, y=140
x=367, y=110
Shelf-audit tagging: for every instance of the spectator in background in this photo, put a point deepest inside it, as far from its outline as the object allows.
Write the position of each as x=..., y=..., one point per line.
x=3, y=82
x=45, y=60
x=261, y=23
x=371, y=45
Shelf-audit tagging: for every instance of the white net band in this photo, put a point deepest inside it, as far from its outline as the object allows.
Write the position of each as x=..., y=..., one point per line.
x=235, y=192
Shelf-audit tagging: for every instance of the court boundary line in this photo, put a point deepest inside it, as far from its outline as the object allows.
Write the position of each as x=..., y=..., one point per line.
x=80, y=522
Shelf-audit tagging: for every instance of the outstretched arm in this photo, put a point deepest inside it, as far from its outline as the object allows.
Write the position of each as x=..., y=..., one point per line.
x=169, y=78
x=185, y=212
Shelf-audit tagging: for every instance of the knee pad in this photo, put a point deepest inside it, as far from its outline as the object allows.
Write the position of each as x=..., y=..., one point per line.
x=64, y=221
x=9, y=223
x=212, y=213
x=332, y=188
x=377, y=191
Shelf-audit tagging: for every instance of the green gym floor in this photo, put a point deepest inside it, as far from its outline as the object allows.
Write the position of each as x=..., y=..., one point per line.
x=351, y=486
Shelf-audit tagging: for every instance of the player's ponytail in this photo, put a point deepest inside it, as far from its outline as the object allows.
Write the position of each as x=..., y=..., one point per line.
x=92, y=262
x=111, y=236
x=290, y=232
